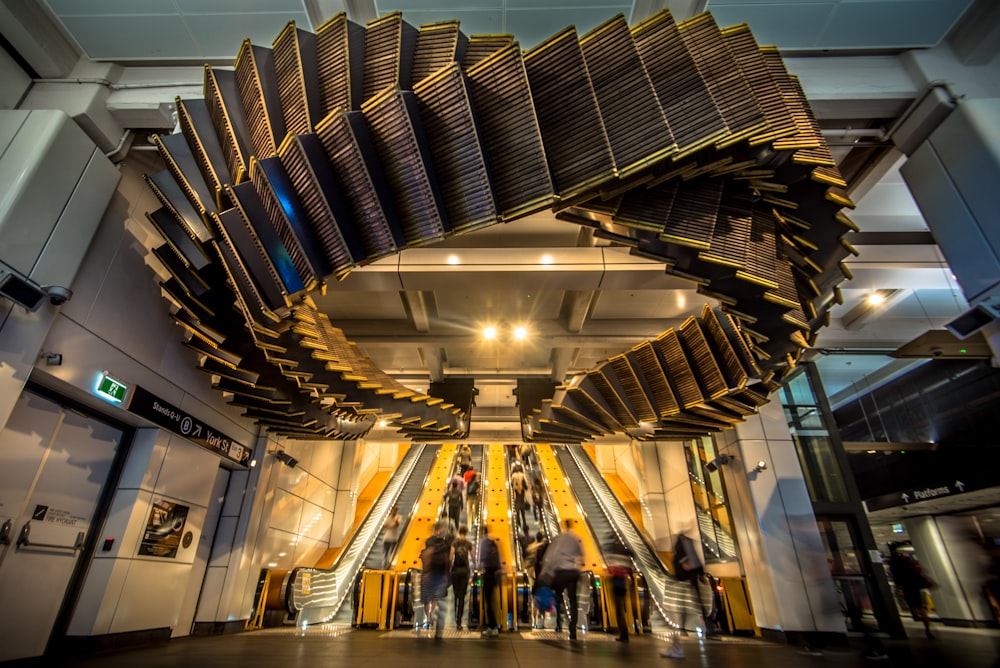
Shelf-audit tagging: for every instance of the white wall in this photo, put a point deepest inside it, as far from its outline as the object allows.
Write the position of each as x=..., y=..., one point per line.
x=117, y=321
x=791, y=588
x=948, y=555
x=127, y=591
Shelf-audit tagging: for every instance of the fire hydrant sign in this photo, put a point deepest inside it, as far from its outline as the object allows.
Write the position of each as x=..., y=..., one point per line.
x=156, y=410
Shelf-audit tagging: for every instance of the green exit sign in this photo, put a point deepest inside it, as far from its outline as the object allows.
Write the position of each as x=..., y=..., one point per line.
x=111, y=389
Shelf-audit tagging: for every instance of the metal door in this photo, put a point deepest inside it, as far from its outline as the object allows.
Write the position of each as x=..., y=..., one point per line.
x=54, y=464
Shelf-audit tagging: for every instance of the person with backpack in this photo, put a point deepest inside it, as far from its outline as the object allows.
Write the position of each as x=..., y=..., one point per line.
x=489, y=565
x=688, y=567
x=618, y=558
x=464, y=458
x=472, y=490
x=461, y=567
x=435, y=560
x=561, y=572
x=536, y=499
x=454, y=501
x=391, y=535
x=535, y=557
x=521, y=504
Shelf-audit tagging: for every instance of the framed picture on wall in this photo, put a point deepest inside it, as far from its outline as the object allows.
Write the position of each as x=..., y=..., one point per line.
x=163, y=529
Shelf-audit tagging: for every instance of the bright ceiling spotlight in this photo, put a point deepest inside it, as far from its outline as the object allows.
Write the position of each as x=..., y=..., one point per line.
x=453, y=259
x=489, y=333
x=520, y=333
x=875, y=299
x=547, y=259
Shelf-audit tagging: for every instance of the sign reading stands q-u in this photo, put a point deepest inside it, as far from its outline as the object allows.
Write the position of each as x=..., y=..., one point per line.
x=156, y=410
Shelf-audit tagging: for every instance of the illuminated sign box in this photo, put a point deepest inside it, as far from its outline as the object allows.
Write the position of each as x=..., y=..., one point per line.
x=111, y=389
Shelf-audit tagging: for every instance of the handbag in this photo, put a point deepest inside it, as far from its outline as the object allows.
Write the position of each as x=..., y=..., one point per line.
x=545, y=599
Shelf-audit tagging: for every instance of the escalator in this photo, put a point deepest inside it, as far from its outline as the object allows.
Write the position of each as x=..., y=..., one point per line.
x=316, y=595
x=672, y=599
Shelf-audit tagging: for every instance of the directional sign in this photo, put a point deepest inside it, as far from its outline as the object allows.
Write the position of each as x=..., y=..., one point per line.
x=156, y=410
x=918, y=494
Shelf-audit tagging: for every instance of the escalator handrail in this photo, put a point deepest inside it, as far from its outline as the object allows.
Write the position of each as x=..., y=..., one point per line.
x=621, y=520
x=378, y=512
x=550, y=524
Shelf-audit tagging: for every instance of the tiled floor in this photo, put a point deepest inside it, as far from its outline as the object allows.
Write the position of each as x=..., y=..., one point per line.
x=339, y=646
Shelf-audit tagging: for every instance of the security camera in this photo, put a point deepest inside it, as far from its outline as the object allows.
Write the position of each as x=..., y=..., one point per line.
x=58, y=295
x=714, y=465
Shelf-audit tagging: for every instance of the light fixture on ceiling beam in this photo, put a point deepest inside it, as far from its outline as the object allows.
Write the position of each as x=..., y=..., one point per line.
x=877, y=301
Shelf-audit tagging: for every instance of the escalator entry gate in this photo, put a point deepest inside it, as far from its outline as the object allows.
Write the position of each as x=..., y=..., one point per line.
x=375, y=599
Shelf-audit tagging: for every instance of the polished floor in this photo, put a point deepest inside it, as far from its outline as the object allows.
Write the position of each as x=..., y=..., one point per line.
x=333, y=646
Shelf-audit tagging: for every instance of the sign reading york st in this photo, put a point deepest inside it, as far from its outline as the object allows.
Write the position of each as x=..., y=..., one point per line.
x=156, y=410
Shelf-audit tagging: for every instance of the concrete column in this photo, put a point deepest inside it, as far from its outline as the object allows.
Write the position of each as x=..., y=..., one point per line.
x=681, y=515
x=651, y=495
x=948, y=555
x=783, y=557
x=347, y=492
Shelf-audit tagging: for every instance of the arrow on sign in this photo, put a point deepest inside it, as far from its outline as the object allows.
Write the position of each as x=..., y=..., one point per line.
x=906, y=497
x=960, y=485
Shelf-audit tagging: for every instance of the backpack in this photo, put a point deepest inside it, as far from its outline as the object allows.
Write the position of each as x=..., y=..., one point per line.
x=454, y=497
x=473, y=487
x=434, y=556
x=461, y=562
x=687, y=566
x=491, y=557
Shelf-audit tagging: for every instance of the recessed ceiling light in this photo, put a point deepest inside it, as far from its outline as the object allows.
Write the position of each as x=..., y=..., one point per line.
x=453, y=259
x=489, y=333
x=547, y=259
x=520, y=333
x=875, y=298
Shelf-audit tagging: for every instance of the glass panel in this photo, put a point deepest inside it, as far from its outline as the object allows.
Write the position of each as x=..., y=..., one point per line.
x=845, y=567
x=711, y=506
x=823, y=475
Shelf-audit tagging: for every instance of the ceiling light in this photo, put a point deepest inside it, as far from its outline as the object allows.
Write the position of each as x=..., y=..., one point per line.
x=489, y=333
x=876, y=298
x=453, y=259
x=547, y=259
x=520, y=333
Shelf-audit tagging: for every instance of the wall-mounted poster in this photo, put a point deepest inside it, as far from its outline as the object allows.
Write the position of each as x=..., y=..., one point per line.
x=164, y=529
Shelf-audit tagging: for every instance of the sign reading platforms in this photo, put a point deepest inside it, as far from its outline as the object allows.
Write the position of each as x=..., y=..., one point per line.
x=917, y=494
x=156, y=410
